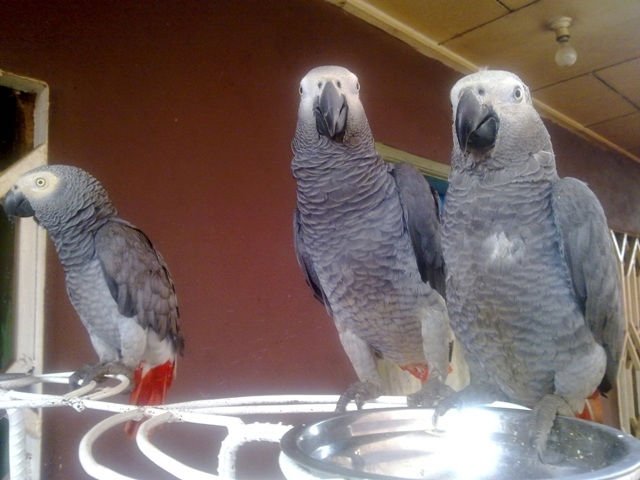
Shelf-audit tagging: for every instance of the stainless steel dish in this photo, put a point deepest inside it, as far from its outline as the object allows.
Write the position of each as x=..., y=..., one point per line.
x=475, y=443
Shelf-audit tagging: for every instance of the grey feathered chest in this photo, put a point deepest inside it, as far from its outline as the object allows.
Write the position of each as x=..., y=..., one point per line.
x=510, y=296
x=352, y=223
x=90, y=296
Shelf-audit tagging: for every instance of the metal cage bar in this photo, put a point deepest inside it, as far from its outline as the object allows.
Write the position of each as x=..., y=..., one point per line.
x=627, y=249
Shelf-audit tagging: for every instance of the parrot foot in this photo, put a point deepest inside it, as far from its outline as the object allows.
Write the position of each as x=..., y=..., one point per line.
x=431, y=394
x=470, y=395
x=359, y=392
x=98, y=372
x=544, y=415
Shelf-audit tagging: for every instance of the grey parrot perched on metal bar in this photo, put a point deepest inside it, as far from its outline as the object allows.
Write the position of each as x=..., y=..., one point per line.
x=367, y=239
x=116, y=280
x=532, y=284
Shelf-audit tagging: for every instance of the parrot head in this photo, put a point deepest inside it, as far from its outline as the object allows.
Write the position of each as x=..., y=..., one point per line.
x=494, y=119
x=55, y=195
x=330, y=106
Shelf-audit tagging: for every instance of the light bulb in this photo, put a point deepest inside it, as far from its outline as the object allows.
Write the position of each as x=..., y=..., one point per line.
x=566, y=55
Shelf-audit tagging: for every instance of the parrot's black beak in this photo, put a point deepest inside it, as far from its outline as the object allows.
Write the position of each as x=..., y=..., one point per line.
x=15, y=204
x=476, y=123
x=331, y=113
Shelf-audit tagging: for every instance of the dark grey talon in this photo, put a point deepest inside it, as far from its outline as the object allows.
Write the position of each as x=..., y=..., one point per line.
x=98, y=373
x=359, y=392
x=430, y=395
x=544, y=416
x=81, y=376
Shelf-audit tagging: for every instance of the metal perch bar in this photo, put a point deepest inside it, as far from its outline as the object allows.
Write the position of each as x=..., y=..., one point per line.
x=163, y=460
x=223, y=412
x=255, y=432
x=85, y=449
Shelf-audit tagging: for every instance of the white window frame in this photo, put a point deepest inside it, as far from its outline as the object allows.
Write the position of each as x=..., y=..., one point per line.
x=29, y=266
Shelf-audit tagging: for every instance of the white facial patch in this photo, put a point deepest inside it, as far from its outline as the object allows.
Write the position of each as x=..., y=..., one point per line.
x=36, y=185
x=498, y=84
x=315, y=79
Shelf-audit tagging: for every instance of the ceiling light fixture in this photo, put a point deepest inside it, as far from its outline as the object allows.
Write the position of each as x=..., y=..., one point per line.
x=566, y=55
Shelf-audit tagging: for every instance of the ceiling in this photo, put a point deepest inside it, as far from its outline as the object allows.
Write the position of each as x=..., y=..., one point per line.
x=598, y=97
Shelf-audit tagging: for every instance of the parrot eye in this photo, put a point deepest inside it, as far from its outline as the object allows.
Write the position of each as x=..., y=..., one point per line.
x=339, y=84
x=41, y=182
x=517, y=94
x=300, y=90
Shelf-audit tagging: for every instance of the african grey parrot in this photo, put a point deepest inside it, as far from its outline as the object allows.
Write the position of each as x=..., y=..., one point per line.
x=116, y=280
x=367, y=239
x=532, y=283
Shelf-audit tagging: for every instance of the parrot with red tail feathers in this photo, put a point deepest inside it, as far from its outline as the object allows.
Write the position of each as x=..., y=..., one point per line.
x=117, y=281
x=367, y=238
x=532, y=284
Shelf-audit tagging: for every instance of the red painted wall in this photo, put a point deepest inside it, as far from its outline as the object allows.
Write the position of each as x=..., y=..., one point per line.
x=185, y=111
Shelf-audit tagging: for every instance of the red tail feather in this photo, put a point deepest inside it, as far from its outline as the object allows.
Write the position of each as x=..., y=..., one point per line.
x=150, y=388
x=593, y=409
x=418, y=370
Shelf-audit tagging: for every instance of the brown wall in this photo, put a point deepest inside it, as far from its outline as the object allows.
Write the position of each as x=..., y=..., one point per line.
x=615, y=179
x=185, y=111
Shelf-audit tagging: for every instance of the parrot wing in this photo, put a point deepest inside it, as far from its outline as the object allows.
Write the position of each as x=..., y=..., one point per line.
x=138, y=279
x=587, y=248
x=422, y=221
x=305, y=262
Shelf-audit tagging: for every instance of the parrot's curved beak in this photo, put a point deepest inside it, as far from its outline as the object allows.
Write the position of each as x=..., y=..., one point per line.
x=476, y=123
x=331, y=113
x=15, y=204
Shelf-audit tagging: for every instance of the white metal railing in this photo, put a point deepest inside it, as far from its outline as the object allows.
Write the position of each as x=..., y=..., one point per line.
x=224, y=412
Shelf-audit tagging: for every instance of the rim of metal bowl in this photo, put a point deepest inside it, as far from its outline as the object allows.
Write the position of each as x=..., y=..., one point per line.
x=626, y=469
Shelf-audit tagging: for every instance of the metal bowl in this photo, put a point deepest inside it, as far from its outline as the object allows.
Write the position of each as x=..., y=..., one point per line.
x=474, y=443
